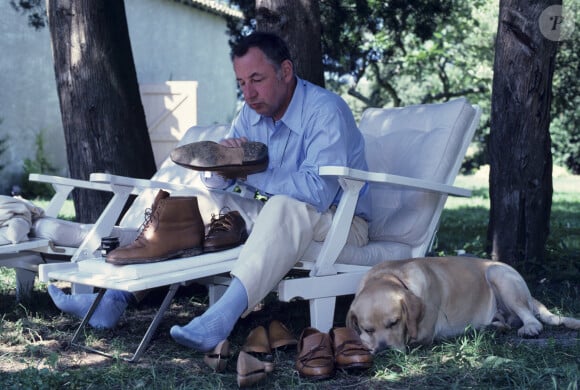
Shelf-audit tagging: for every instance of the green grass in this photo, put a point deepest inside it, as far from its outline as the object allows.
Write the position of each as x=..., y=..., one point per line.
x=35, y=351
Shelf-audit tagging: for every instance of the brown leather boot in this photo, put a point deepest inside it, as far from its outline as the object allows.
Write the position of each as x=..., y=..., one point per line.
x=173, y=228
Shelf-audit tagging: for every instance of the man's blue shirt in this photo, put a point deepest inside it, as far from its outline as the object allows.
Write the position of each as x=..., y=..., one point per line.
x=317, y=129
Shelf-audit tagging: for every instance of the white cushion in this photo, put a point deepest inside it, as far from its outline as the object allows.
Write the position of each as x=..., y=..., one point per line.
x=71, y=234
x=372, y=253
x=420, y=141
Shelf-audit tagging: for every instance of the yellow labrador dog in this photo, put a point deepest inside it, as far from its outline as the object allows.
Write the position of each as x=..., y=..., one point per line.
x=416, y=301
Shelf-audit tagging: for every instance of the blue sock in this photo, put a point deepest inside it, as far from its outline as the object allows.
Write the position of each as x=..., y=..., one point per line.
x=106, y=315
x=205, y=332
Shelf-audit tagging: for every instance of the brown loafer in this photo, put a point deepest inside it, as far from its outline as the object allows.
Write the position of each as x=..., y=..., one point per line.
x=349, y=350
x=315, y=358
x=218, y=358
x=280, y=336
x=251, y=157
x=251, y=370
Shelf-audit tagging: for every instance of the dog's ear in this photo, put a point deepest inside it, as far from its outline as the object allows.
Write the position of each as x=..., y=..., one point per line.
x=413, y=308
x=352, y=321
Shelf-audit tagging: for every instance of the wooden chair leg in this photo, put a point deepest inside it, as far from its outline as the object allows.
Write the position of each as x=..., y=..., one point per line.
x=24, y=283
x=322, y=313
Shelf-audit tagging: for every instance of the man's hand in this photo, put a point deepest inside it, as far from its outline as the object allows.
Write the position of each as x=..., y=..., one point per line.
x=233, y=142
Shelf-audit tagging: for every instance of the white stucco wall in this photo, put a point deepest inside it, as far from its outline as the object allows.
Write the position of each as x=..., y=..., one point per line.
x=181, y=43
x=28, y=99
x=170, y=42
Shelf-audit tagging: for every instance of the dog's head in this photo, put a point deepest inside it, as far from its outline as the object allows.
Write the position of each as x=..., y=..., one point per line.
x=385, y=314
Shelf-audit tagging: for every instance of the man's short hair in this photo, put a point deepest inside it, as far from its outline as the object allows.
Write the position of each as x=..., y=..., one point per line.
x=273, y=47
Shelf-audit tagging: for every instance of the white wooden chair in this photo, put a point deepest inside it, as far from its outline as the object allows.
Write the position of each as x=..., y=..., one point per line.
x=63, y=240
x=53, y=238
x=414, y=154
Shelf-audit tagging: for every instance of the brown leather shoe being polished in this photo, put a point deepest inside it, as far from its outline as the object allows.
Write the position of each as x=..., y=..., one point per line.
x=315, y=358
x=349, y=350
x=173, y=228
x=251, y=157
x=226, y=231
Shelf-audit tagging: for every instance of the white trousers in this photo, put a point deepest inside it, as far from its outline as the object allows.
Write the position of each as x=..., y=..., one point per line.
x=280, y=231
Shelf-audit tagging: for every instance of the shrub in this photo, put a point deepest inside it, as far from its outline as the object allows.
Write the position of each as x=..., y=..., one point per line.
x=40, y=164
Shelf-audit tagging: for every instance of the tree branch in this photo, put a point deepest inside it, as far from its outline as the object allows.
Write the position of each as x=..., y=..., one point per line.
x=448, y=95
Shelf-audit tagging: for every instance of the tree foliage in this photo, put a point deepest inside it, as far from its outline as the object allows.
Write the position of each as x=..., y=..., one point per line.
x=34, y=10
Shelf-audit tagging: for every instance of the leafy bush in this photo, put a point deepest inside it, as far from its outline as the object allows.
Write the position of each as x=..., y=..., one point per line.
x=40, y=164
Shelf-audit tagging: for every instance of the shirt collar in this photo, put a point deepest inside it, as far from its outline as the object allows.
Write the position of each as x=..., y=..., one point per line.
x=292, y=118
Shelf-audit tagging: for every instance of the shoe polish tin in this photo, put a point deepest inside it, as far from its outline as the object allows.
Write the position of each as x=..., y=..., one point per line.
x=108, y=244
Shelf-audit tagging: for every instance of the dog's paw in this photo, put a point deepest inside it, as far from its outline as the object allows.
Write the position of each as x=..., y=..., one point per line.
x=500, y=326
x=530, y=329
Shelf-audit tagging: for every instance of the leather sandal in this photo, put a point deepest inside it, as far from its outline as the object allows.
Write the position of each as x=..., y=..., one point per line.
x=251, y=370
x=349, y=350
x=218, y=358
x=315, y=359
x=279, y=335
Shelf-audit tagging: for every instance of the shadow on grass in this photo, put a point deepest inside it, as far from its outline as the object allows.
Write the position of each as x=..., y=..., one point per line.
x=478, y=359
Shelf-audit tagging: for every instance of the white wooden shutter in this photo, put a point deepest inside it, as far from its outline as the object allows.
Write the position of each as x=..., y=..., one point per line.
x=170, y=109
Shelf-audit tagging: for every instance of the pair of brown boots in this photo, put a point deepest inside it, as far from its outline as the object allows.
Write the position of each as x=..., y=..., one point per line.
x=173, y=228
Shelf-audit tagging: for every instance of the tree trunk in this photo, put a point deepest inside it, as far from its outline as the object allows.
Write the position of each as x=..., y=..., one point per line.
x=520, y=182
x=103, y=118
x=298, y=22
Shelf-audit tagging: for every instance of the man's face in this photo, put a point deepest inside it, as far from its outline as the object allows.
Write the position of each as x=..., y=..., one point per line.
x=266, y=91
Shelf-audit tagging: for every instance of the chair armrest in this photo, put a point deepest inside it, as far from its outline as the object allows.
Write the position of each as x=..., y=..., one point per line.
x=103, y=226
x=63, y=187
x=386, y=178
x=136, y=184
x=339, y=229
x=67, y=181
x=141, y=184
x=352, y=181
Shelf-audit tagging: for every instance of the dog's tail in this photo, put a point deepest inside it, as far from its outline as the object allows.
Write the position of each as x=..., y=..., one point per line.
x=549, y=318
